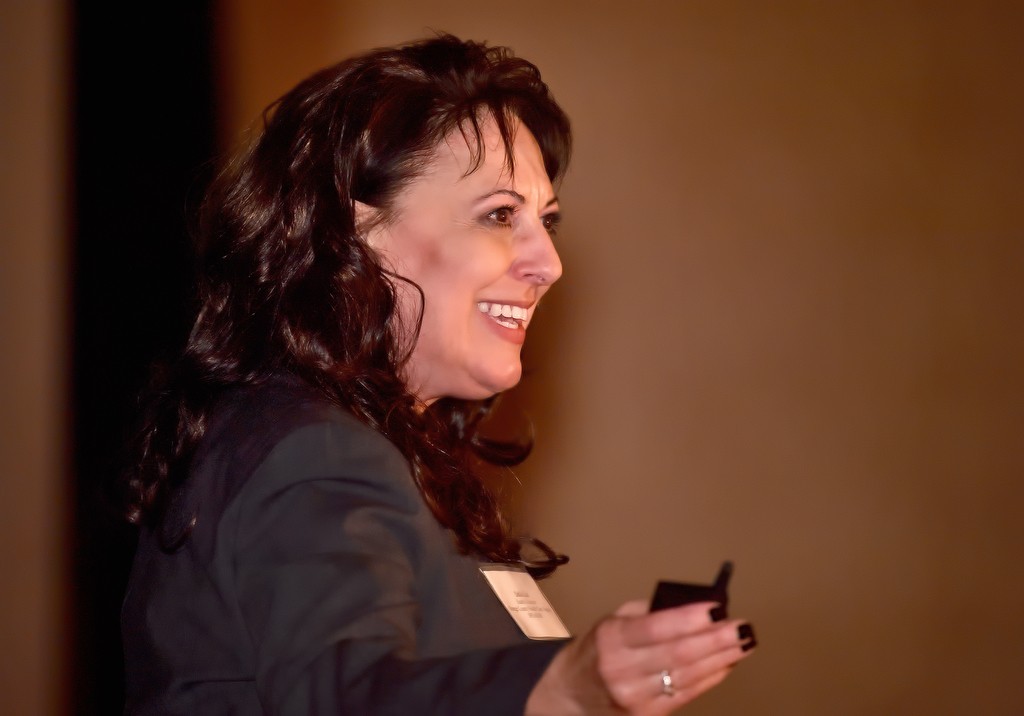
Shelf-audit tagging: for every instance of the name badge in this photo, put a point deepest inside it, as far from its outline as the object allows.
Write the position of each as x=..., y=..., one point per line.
x=526, y=604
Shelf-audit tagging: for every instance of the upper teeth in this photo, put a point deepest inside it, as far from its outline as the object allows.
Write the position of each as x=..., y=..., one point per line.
x=502, y=309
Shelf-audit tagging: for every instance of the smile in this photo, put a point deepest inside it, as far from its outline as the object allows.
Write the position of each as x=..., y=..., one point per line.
x=504, y=314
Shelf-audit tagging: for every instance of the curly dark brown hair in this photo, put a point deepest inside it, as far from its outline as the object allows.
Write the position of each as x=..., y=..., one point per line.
x=286, y=284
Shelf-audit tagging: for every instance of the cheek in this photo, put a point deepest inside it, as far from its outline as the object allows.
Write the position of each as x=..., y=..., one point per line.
x=425, y=267
x=463, y=273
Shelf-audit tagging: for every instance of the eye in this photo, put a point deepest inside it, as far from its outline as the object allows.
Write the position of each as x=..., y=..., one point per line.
x=551, y=222
x=502, y=216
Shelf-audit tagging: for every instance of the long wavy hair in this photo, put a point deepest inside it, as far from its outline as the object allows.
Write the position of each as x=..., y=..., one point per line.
x=286, y=284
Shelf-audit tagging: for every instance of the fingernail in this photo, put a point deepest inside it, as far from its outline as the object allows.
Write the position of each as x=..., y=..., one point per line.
x=746, y=635
x=718, y=613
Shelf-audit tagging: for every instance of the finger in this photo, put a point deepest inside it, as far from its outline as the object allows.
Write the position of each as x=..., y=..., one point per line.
x=717, y=647
x=635, y=608
x=721, y=646
x=668, y=624
x=651, y=695
x=730, y=639
x=688, y=693
x=647, y=692
x=717, y=668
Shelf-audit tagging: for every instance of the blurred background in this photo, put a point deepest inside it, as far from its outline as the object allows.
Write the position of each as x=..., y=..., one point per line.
x=789, y=331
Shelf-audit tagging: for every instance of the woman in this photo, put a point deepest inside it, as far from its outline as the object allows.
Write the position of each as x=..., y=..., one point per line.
x=306, y=480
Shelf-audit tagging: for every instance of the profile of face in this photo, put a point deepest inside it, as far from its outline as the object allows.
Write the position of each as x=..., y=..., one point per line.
x=479, y=245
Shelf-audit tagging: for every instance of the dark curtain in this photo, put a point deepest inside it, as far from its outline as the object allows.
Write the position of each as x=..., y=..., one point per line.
x=143, y=139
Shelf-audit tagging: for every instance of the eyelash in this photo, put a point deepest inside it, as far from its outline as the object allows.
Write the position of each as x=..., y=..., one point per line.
x=550, y=221
x=492, y=215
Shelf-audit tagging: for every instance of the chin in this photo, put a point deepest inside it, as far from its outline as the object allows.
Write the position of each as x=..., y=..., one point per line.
x=493, y=382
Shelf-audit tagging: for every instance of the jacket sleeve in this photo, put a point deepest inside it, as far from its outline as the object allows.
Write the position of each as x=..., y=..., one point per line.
x=328, y=535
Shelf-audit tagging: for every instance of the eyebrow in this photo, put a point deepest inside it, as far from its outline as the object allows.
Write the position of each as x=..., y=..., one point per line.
x=517, y=196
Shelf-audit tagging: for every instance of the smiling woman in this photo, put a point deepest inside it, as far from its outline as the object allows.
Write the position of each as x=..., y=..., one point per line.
x=477, y=242
x=315, y=537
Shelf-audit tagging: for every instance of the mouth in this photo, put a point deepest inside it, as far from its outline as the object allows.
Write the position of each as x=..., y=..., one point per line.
x=505, y=314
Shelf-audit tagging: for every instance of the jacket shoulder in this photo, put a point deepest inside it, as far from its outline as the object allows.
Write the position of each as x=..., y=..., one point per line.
x=284, y=431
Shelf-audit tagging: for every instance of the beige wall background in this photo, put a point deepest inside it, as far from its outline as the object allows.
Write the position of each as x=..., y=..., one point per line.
x=789, y=332
x=34, y=335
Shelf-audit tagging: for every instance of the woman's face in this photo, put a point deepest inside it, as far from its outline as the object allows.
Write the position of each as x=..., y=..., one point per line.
x=479, y=246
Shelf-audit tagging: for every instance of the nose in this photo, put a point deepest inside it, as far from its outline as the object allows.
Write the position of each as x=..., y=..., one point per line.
x=537, y=260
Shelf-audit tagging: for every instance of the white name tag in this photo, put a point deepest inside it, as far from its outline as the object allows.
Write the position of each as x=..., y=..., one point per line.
x=522, y=597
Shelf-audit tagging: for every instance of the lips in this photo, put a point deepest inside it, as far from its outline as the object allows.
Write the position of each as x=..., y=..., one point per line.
x=505, y=314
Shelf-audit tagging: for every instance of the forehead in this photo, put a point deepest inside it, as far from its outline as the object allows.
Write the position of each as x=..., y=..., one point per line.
x=472, y=157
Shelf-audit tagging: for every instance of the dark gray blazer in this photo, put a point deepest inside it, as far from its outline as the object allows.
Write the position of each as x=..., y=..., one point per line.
x=314, y=581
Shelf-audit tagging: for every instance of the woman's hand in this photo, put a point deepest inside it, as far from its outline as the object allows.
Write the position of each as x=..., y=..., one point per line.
x=641, y=663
